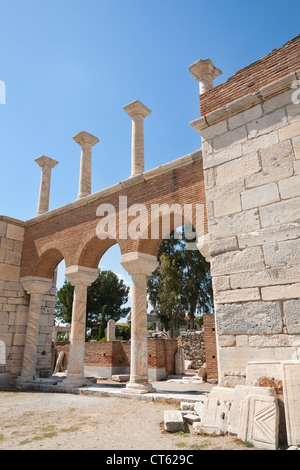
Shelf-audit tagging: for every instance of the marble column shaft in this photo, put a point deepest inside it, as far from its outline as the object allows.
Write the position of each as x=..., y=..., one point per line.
x=86, y=142
x=80, y=278
x=137, y=111
x=139, y=266
x=46, y=164
x=36, y=287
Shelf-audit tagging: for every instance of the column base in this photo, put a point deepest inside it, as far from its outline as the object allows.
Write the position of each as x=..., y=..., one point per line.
x=139, y=388
x=26, y=378
x=73, y=381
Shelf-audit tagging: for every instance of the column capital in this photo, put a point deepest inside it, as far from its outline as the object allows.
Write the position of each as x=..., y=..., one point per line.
x=36, y=285
x=139, y=263
x=203, y=246
x=85, y=138
x=80, y=275
x=204, y=67
x=136, y=107
x=44, y=161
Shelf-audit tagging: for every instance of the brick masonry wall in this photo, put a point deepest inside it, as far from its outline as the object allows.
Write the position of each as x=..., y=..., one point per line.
x=252, y=78
x=210, y=346
x=252, y=164
x=161, y=353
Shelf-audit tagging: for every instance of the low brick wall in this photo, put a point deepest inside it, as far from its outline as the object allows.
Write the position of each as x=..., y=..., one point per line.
x=210, y=346
x=113, y=357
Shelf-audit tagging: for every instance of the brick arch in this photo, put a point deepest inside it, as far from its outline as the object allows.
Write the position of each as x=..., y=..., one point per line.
x=47, y=263
x=92, y=251
x=164, y=224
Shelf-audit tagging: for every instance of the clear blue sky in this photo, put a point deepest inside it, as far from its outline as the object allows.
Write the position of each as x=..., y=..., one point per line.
x=72, y=65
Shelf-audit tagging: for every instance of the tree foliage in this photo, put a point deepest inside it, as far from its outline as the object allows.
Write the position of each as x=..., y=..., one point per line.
x=181, y=285
x=105, y=299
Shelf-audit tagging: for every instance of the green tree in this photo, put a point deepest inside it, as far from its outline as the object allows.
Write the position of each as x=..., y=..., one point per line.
x=181, y=285
x=107, y=291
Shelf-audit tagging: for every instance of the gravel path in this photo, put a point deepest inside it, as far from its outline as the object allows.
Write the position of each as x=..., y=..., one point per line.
x=56, y=421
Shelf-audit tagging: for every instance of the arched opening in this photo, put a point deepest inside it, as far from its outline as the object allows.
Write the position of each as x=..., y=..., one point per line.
x=180, y=292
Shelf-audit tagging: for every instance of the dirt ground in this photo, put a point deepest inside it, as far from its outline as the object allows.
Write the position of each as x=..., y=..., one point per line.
x=57, y=421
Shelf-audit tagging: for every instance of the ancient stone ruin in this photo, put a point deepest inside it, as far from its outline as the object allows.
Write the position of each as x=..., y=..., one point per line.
x=246, y=177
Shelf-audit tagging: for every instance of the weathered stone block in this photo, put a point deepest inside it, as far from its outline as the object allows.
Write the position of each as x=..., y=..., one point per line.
x=238, y=295
x=15, y=232
x=249, y=318
x=235, y=169
x=289, y=187
x=289, y=291
x=245, y=116
x=237, y=261
x=282, y=253
x=269, y=235
x=220, y=283
x=291, y=387
x=9, y=273
x=260, y=196
x=267, y=123
x=261, y=142
x=222, y=246
x=242, y=222
x=289, y=132
x=230, y=138
x=173, y=421
x=227, y=154
x=266, y=277
x=259, y=421
x=296, y=144
x=280, y=213
x=291, y=310
x=276, y=164
x=229, y=204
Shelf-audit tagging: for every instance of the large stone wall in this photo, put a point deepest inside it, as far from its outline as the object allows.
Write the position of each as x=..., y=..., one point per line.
x=13, y=300
x=251, y=158
x=14, y=303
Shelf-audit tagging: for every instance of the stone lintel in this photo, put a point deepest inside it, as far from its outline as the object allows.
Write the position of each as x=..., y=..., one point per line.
x=136, y=107
x=85, y=138
x=139, y=263
x=80, y=275
x=44, y=161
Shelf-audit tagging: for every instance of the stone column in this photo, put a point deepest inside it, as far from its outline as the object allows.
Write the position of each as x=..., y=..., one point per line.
x=86, y=142
x=111, y=330
x=80, y=277
x=46, y=164
x=139, y=266
x=204, y=72
x=36, y=288
x=137, y=111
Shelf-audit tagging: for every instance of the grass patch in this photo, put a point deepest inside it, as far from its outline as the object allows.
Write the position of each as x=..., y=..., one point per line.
x=2, y=437
x=181, y=433
x=180, y=444
x=249, y=445
x=199, y=446
x=71, y=429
